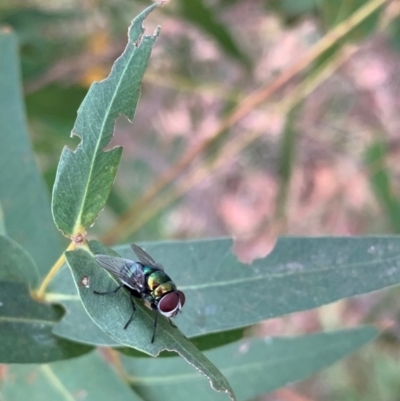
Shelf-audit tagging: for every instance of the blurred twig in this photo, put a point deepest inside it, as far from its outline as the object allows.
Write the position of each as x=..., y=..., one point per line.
x=381, y=183
x=233, y=148
x=71, y=69
x=287, y=394
x=287, y=157
x=128, y=220
x=288, y=148
x=191, y=180
x=181, y=84
x=40, y=293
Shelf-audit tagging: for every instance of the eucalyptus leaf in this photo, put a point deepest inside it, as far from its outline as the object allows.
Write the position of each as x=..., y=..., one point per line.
x=88, y=378
x=2, y=225
x=111, y=313
x=32, y=24
x=300, y=273
x=80, y=328
x=203, y=343
x=15, y=263
x=200, y=13
x=292, y=9
x=85, y=176
x=381, y=183
x=26, y=325
x=76, y=324
x=23, y=194
x=26, y=329
x=254, y=367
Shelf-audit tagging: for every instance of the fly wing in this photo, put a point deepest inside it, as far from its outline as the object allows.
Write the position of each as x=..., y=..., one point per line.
x=127, y=271
x=145, y=258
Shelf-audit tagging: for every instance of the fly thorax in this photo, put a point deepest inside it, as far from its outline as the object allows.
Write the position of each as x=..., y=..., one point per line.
x=157, y=278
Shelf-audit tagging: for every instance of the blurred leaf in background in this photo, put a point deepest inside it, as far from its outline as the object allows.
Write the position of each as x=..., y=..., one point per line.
x=41, y=36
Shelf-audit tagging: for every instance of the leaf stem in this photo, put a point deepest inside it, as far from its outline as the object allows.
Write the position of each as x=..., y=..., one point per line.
x=39, y=294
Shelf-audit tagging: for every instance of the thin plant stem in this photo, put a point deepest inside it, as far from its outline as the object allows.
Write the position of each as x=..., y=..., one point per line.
x=39, y=294
x=192, y=180
x=128, y=220
x=233, y=148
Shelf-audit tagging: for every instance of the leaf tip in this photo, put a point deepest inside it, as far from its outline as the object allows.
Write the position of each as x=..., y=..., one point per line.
x=136, y=29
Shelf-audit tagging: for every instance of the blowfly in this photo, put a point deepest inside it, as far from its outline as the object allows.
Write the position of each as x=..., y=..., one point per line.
x=146, y=280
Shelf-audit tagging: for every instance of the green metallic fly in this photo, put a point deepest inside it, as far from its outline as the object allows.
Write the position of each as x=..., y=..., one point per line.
x=145, y=280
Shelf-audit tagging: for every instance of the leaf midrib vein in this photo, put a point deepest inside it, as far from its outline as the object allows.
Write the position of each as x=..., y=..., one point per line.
x=228, y=370
x=264, y=276
x=56, y=383
x=95, y=153
x=280, y=275
x=26, y=320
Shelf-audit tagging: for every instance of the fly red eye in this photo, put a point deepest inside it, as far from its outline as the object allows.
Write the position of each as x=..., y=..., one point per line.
x=182, y=297
x=169, y=302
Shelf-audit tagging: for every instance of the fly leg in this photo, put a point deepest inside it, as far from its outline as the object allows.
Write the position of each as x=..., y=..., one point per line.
x=133, y=312
x=108, y=292
x=172, y=324
x=154, y=327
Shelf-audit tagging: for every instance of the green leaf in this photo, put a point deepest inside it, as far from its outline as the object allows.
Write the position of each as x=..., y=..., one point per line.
x=2, y=225
x=254, y=367
x=23, y=194
x=85, y=176
x=333, y=12
x=48, y=108
x=26, y=325
x=214, y=340
x=199, y=14
x=300, y=273
x=287, y=155
x=393, y=33
x=292, y=9
x=76, y=324
x=15, y=263
x=26, y=329
x=32, y=25
x=381, y=183
x=203, y=343
x=112, y=312
x=88, y=378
